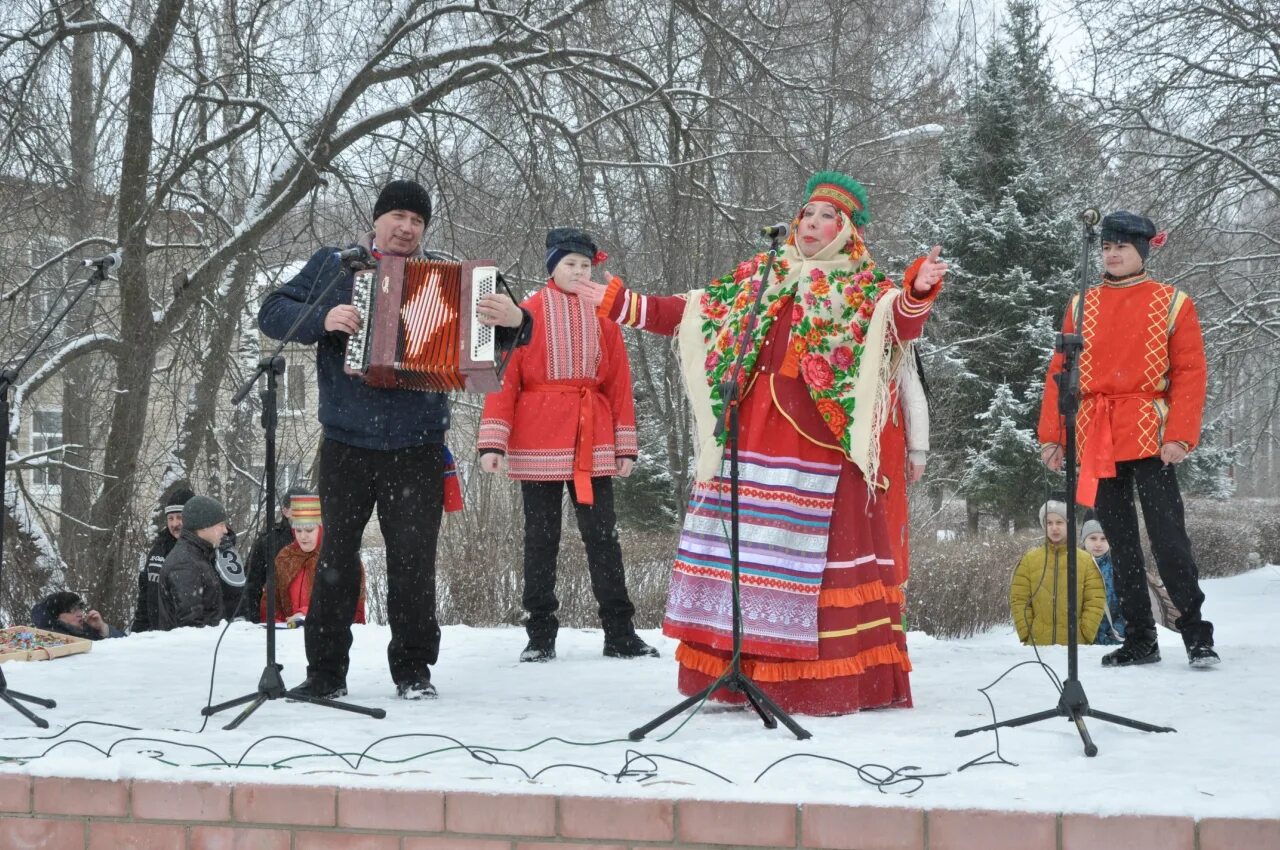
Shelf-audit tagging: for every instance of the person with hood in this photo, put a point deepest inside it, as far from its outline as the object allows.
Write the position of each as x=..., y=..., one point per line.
x=296, y=565
x=1038, y=593
x=382, y=448
x=64, y=612
x=263, y=554
x=146, y=612
x=822, y=609
x=190, y=589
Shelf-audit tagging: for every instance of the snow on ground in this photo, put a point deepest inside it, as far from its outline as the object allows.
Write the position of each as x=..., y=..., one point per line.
x=1221, y=762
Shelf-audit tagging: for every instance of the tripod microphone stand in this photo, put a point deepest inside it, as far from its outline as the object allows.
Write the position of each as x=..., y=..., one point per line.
x=102, y=267
x=1072, y=702
x=733, y=678
x=271, y=684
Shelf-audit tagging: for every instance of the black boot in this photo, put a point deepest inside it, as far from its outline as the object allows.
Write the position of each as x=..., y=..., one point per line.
x=1201, y=656
x=628, y=645
x=1139, y=648
x=539, y=649
x=317, y=686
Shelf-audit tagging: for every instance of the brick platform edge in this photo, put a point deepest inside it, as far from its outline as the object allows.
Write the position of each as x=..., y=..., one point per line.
x=51, y=813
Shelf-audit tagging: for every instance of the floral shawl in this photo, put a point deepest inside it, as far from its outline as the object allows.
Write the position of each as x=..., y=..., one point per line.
x=834, y=296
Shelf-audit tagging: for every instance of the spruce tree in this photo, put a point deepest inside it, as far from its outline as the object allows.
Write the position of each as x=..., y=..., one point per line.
x=1003, y=208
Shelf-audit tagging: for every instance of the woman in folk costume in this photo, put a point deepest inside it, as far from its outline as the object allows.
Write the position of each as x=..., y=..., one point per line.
x=565, y=415
x=296, y=564
x=904, y=451
x=821, y=610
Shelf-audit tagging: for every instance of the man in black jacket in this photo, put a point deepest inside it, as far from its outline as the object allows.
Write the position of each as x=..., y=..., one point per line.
x=190, y=590
x=263, y=555
x=382, y=447
x=146, y=613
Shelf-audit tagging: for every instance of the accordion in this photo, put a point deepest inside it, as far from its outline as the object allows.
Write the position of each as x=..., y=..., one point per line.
x=419, y=329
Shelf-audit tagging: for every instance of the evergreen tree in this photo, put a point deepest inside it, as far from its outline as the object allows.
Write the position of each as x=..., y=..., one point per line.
x=1003, y=209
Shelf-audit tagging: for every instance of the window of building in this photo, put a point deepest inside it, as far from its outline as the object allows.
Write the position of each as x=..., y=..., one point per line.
x=295, y=388
x=46, y=433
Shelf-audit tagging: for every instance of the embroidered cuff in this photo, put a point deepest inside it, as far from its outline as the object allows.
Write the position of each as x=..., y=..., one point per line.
x=493, y=435
x=624, y=441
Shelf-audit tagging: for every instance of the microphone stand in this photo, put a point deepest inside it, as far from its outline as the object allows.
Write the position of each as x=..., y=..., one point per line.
x=271, y=684
x=1072, y=702
x=8, y=378
x=733, y=678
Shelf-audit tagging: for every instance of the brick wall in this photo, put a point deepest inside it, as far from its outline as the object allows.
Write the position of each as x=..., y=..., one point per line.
x=51, y=813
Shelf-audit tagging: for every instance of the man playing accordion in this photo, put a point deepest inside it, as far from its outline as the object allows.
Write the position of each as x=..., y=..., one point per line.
x=382, y=447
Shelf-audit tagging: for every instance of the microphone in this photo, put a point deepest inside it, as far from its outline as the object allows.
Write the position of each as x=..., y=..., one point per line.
x=106, y=262
x=1090, y=217
x=776, y=231
x=357, y=254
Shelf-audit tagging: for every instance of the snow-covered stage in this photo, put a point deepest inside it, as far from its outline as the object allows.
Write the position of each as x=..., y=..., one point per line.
x=551, y=739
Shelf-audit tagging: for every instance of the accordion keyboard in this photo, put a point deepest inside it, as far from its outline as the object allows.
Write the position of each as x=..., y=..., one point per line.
x=362, y=299
x=484, y=281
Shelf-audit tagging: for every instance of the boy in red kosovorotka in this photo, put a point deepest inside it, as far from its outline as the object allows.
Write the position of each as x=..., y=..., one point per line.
x=566, y=414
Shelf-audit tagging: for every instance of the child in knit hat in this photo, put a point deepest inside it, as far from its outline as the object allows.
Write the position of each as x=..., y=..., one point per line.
x=1038, y=594
x=566, y=416
x=296, y=564
x=1094, y=541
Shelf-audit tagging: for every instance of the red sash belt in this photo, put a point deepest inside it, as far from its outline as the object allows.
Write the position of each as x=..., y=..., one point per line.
x=1099, y=458
x=583, y=456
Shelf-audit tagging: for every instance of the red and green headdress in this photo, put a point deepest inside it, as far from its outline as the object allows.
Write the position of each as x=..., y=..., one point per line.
x=842, y=192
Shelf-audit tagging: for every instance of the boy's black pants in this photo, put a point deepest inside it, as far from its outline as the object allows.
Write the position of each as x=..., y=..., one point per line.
x=1162, y=512
x=598, y=526
x=407, y=485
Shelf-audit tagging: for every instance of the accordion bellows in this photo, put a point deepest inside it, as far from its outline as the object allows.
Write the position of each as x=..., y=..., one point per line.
x=419, y=329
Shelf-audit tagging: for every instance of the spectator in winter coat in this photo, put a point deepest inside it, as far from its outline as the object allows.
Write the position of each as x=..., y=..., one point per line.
x=146, y=613
x=296, y=565
x=190, y=590
x=1038, y=595
x=64, y=612
x=264, y=552
x=1094, y=541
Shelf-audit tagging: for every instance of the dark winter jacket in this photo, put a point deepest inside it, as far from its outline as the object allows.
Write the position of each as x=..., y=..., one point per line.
x=190, y=591
x=264, y=552
x=351, y=411
x=1111, y=629
x=42, y=619
x=146, y=612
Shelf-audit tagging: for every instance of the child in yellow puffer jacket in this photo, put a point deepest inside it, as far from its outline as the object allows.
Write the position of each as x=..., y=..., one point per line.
x=1038, y=595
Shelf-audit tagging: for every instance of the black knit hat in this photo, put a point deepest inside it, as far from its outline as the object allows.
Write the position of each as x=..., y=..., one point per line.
x=62, y=602
x=404, y=195
x=172, y=502
x=1125, y=226
x=202, y=512
x=562, y=241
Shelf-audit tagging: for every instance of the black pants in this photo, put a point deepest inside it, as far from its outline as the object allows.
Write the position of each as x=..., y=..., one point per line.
x=598, y=526
x=407, y=485
x=1162, y=511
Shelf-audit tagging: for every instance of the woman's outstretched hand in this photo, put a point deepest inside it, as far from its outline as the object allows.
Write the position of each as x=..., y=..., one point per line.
x=930, y=272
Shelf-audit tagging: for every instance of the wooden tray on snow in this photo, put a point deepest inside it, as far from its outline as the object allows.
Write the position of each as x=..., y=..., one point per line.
x=39, y=644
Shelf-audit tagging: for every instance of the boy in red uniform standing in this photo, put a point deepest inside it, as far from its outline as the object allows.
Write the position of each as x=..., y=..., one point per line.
x=566, y=415
x=1142, y=390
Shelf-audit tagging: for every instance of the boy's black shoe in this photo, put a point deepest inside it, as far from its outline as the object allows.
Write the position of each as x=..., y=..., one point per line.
x=416, y=689
x=539, y=649
x=314, y=686
x=628, y=646
x=1202, y=657
x=1137, y=649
